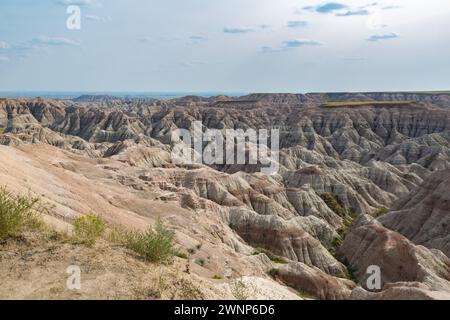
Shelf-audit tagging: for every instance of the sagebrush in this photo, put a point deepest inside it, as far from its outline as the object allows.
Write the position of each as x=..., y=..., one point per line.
x=18, y=213
x=157, y=244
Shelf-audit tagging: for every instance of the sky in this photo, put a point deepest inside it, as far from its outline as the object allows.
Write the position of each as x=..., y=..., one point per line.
x=225, y=45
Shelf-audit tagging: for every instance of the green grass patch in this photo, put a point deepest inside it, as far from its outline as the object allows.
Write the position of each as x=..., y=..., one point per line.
x=19, y=213
x=381, y=212
x=270, y=255
x=340, y=104
x=334, y=204
x=2, y=130
x=439, y=92
x=181, y=255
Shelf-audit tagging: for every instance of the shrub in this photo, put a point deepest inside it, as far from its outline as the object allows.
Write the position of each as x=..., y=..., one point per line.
x=181, y=255
x=18, y=213
x=274, y=272
x=270, y=255
x=217, y=277
x=200, y=261
x=381, y=212
x=89, y=228
x=334, y=204
x=337, y=242
x=155, y=245
x=241, y=290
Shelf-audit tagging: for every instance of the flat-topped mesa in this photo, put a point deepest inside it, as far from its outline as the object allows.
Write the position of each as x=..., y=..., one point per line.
x=439, y=99
x=374, y=104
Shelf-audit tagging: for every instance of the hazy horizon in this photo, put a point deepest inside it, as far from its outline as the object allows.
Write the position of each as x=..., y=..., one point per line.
x=168, y=95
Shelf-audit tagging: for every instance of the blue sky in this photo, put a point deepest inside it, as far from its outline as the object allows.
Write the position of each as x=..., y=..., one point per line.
x=225, y=45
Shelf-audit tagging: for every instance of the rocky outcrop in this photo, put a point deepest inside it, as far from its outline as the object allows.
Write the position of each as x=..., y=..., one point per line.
x=314, y=282
x=401, y=291
x=423, y=216
x=371, y=244
x=285, y=238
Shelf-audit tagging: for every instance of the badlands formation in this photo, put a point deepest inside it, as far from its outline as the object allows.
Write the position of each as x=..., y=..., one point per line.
x=363, y=181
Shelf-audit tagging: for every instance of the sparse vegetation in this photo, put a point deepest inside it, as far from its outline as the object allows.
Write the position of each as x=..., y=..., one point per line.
x=351, y=276
x=242, y=291
x=87, y=229
x=2, y=130
x=18, y=214
x=337, y=242
x=274, y=272
x=381, y=212
x=217, y=277
x=334, y=204
x=305, y=295
x=155, y=245
x=181, y=255
x=200, y=261
x=270, y=255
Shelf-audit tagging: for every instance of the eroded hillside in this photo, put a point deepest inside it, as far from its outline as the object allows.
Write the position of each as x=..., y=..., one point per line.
x=341, y=168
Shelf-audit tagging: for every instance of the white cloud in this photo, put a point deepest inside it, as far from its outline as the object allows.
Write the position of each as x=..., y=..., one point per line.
x=4, y=45
x=246, y=29
x=292, y=44
x=238, y=30
x=97, y=18
x=381, y=37
x=55, y=41
x=75, y=2
x=297, y=24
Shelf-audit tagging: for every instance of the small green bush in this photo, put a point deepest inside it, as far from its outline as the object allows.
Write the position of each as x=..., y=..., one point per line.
x=200, y=261
x=270, y=255
x=89, y=228
x=337, y=242
x=381, y=212
x=334, y=204
x=18, y=213
x=155, y=245
x=274, y=272
x=181, y=255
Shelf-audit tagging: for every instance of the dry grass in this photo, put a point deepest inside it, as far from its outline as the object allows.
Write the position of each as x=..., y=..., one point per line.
x=89, y=228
